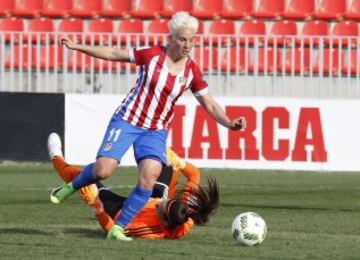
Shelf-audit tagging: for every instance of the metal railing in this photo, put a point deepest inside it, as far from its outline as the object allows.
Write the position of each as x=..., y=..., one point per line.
x=292, y=66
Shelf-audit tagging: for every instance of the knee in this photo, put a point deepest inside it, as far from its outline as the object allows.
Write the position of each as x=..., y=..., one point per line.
x=147, y=181
x=149, y=172
x=103, y=170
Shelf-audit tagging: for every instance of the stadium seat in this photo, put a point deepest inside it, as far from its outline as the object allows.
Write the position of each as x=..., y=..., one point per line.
x=105, y=65
x=251, y=30
x=351, y=62
x=331, y=9
x=100, y=30
x=114, y=66
x=200, y=32
x=202, y=58
x=56, y=8
x=219, y=31
x=172, y=6
x=116, y=8
x=147, y=9
x=27, y=8
x=201, y=27
x=354, y=11
x=86, y=8
x=312, y=29
x=79, y=61
x=156, y=30
x=11, y=24
x=299, y=9
x=129, y=29
x=19, y=57
x=235, y=60
x=6, y=7
x=330, y=61
x=269, y=9
x=265, y=61
x=297, y=60
x=38, y=30
x=48, y=57
x=71, y=27
x=206, y=9
x=345, y=30
x=283, y=32
x=126, y=65
x=235, y=9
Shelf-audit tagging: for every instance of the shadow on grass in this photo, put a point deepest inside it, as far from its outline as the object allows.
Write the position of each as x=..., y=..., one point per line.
x=25, y=231
x=83, y=232
x=25, y=202
x=231, y=205
x=78, y=232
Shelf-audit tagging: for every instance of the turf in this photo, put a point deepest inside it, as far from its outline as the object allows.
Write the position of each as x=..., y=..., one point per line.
x=309, y=216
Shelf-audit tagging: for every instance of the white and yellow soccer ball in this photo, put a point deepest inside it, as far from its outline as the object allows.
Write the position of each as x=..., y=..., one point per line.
x=249, y=229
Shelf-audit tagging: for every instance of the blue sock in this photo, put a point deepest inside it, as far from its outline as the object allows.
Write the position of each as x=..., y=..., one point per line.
x=133, y=204
x=86, y=177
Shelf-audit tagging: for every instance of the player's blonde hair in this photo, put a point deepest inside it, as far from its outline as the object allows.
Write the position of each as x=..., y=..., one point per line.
x=182, y=20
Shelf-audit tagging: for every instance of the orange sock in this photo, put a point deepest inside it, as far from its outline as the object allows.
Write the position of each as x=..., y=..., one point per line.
x=68, y=172
x=65, y=171
x=105, y=221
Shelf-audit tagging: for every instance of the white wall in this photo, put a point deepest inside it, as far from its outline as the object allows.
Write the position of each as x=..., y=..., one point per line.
x=294, y=134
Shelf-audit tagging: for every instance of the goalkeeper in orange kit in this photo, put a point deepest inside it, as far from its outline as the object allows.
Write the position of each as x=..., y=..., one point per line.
x=167, y=214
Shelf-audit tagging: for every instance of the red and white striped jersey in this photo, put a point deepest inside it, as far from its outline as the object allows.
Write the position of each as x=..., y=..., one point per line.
x=150, y=103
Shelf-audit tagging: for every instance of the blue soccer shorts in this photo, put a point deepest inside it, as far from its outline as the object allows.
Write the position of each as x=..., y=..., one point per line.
x=120, y=135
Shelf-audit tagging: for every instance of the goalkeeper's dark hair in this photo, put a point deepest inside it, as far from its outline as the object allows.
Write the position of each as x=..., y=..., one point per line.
x=203, y=201
x=176, y=213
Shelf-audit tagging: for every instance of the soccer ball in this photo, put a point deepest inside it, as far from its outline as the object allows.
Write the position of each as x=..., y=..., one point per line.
x=249, y=229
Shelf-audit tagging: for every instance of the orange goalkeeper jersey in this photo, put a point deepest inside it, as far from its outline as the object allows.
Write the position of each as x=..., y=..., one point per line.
x=146, y=223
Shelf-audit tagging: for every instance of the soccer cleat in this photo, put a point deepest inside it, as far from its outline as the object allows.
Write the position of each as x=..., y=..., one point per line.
x=174, y=160
x=117, y=233
x=54, y=145
x=61, y=193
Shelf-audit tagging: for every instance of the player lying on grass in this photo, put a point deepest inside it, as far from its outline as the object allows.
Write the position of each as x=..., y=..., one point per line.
x=166, y=215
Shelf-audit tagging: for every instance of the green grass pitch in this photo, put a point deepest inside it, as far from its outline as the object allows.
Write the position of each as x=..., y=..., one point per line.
x=310, y=215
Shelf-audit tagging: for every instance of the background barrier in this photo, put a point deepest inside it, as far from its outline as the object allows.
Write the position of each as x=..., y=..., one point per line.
x=250, y=65
x=293, y=134
x=26, y=119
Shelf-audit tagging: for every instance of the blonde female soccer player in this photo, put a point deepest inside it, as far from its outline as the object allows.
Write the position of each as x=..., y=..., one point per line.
x=143, y=117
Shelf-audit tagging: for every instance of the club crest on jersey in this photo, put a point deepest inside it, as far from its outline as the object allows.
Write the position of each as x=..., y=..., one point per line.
x=182, y=80
x=107, y=147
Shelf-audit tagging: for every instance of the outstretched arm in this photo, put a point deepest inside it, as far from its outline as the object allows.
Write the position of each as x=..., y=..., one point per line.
x=102, y=52
x=192, y=175
x=190, y=172
x=214, y=109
